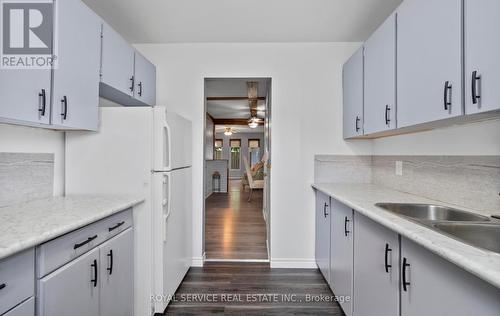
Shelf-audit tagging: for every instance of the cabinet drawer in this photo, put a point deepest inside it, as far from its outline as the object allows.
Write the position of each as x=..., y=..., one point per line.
x=17, y=277
x=25, y=309
x=113, y=225
x=55, y=253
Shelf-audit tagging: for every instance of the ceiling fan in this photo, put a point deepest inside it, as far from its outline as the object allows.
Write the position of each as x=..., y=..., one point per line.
x=228, y=131
x=253, y=97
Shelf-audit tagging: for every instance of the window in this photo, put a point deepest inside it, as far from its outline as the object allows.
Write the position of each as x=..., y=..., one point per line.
x=235, y=145
x=218, y=145
x=253, y=151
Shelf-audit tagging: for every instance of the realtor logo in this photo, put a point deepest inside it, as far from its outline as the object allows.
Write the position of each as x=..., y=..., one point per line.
x=27, y=34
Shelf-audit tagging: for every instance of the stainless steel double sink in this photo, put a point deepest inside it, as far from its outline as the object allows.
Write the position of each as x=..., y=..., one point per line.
x=473, y=229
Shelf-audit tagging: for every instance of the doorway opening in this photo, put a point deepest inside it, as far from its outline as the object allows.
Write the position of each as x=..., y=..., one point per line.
x=237, y=169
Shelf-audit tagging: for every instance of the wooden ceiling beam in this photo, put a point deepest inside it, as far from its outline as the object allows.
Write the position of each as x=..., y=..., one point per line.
x=236, y=121
x=234, y=98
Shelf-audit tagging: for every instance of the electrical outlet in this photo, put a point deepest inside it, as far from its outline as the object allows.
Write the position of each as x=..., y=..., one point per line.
x=399, y=168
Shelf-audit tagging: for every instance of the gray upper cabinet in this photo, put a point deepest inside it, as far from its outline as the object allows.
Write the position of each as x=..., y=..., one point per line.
x=433, y=286
x=380, y=78
x=145, y=80
x=429, y=61
x=482, y=51
x=376, y=271
x=71, y=290
x=117, y=66
x=323, y=234
x=341, y=262
x=353, y=95
x=117, y=285
x=76, y=79
x=25, y=96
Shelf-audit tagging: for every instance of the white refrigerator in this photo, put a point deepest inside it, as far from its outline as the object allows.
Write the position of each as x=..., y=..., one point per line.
x=147, y=152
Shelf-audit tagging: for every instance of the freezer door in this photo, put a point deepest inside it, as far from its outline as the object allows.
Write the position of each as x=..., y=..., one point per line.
x=172, y=231
x=172, y=135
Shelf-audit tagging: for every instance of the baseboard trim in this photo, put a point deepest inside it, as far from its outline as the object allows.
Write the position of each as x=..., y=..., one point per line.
x=197, y=262
x=237, y=260
x=293, y=263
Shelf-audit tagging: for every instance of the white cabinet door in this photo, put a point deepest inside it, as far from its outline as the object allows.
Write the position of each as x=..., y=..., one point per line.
x=323, y=234
x=341, y=262
x=145, y=80
x=76, y=79
x=116, y=272
x=433, y=286
x=25, y=96
x=429, y=61
x=353, y=95
x=376, y=271
x=73, y=289
x=482, y=48
x=117, y=65
x=380, y=78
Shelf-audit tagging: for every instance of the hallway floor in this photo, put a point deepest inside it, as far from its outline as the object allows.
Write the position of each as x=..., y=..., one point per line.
x=234, y=227
x=252, y=289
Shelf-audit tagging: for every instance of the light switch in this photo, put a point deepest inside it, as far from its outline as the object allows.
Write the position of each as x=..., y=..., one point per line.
x=399, y=168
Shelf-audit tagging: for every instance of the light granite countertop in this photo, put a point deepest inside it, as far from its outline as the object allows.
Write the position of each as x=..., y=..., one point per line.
x=26, y=225
x=362, y=198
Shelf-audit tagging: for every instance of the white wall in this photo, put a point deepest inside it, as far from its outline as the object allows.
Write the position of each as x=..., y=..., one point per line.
x=472, y=139
x=307, y=120
x=20, y=139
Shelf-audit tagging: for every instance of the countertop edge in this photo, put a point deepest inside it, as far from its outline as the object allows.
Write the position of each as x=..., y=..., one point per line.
x=64, y=229
x=454, y=256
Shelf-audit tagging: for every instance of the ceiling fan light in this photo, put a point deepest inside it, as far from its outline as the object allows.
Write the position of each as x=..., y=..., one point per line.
x=253, y=123
x=228, y=131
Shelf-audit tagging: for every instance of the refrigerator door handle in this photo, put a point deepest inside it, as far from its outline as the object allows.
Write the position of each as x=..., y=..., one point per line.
x=166, y=205
x=167, y=145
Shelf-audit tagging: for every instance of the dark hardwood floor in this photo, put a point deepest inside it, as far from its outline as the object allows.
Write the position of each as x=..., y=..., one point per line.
x=234, y=227
x=252, y=289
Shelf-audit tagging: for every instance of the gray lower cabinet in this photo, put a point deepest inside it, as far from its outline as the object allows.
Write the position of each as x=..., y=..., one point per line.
x=72, y=289
x=482, y=48
x=99, y=282
x=433, y=286
x=341, y=267
x=117, y=285
x=429, y=61
x=380, y=79
x=352, y=83
x=323, y=234
x=76, y=78
x=26, y=308
x=376, y=269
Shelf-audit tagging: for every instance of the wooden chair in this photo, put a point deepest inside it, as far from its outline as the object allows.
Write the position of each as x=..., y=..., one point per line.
x=252, y=184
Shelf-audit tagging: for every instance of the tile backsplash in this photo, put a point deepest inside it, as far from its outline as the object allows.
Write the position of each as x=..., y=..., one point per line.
x=469, y=181
x=25, y=177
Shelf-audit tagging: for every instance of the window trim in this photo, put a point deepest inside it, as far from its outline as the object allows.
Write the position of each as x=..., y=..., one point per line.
x=231, y=153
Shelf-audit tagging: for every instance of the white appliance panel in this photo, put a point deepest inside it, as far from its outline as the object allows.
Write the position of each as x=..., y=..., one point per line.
x=172, y=137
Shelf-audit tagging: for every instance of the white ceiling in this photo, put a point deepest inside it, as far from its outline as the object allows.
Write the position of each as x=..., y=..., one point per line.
x=167, y=21
x=236, y=87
